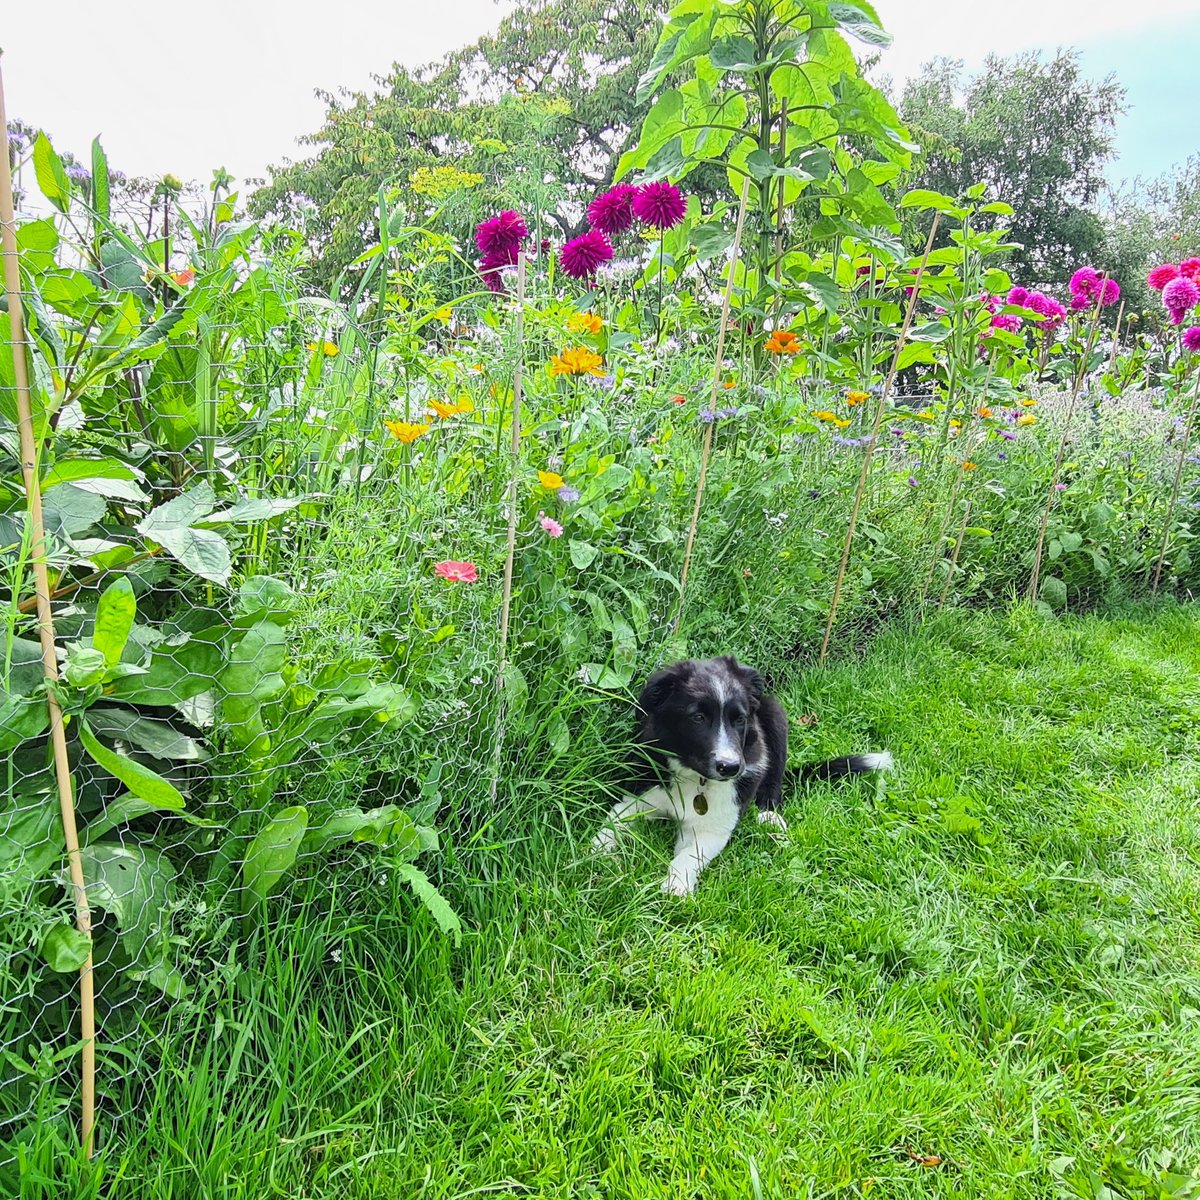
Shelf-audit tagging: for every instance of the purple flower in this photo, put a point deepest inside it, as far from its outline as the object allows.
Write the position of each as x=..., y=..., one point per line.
x=491, y=266
x=1007, y=434
x=77, y=174
x=913, y=481
x=659, y=204
x=1191, y=339
x=568, y=495
x=897, y=431
x=855, y=443
x=1060, y=487
x=502, y=233
x=612, y=212
x=813, y=494
x=1180, y=297
x=1002, y=456
x=607, y=382
x=581, y=256
x=707, y=416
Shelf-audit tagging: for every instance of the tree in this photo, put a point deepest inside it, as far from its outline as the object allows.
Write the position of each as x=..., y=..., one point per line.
x=537, y=114
x=1038, y=134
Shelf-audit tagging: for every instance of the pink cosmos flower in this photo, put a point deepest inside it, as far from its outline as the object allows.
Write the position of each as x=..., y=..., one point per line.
x=550, y=525
x=659, y=204
x=581, y=256
x=1161, y=276
x=457, y=572
x=503, y=232
x=1180, y=296
x=1191, y=339
x=612, y=212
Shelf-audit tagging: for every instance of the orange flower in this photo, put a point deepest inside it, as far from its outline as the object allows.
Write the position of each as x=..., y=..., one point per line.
x=577, y=361
x=783, y=341
x=442, y=410
x=184, y=277
x=585, y=322
x=823, y=414
x=983, y=411
x=729, y=383
x=968, y=465
x=856, y=398
x=406, y=432
x=840, y=422
x=678, y=399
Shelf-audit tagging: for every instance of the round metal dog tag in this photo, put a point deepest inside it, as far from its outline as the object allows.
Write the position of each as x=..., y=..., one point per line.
x=700, y=803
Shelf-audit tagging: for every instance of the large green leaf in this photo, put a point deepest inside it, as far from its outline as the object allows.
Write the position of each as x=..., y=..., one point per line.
x=149, y=734
x=260, y=508
x=273, y=852
x=31, y=837
x=178, y=670
x=64, y=948
x=446, y=918
x=140, y=780
x=26, y=672
x=859, y=21
x=51, y=174
x=21, y=718
x=70, y=510
x=114, y=619
x=100, y=188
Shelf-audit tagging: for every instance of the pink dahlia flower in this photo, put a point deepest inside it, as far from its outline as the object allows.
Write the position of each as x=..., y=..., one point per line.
x=1191, y=339
x=502, y=233
x=581, y=256
x=659, y=204
x=612, y=212
x=1085, y=281
x=1161, y=276
x=1009, y=322
x=1180, y=296
x=1019, y=296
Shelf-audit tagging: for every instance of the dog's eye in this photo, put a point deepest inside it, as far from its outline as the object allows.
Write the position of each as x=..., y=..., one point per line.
x=699, y=718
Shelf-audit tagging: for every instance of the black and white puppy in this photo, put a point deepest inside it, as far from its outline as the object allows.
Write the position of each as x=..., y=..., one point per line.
x=709, y=741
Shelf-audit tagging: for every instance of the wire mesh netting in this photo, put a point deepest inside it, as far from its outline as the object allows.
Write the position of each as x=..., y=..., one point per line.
x=276, y=538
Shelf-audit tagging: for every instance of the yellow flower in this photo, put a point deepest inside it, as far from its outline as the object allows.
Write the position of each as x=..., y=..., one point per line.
x=782, y=341
x=855, y=398
x=477, y=367
x=444, y=314
x=983, y=411
x=585, y=322
x=550, y=480
x=925, y=415
x=577, y=361
x=729, y=383
x=405, y=432
x=840, y=423
x=1026, y=419
x=1028, y=402
x=955, y=423
x=442, y=410
x=824, y=415
x=968, y=465
x=465, y=405
x=329, y=349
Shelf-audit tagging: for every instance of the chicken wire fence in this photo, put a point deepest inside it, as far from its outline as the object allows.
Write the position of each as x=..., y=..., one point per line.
x=287, y=648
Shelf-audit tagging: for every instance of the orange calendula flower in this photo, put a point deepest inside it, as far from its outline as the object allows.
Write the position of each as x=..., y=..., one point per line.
x=550, y=480
x=968, y=465
x=729, y=383
x=679, y=399
x=855, y=398
x=442, y=410
x=1026, y=419
x=983, y=411
x=585, y=322
x=578, y=360
x=184, y=277
x=406, y=432
x=329, y=349
x=783, y=341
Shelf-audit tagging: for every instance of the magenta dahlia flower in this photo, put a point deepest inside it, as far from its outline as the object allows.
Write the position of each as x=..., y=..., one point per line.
x=1161, y=276
x=612, y=212
x=502, y=233
x=1019, y=296
x=1191, y=339
x=1180, y=296
x=1079, y=302
x=1085, y=281
x=1110, y=292
x=659, y=204
x=1009, y=322
x=490, y=267
x=990, y=302
x=581, y=256
x=1190, y=266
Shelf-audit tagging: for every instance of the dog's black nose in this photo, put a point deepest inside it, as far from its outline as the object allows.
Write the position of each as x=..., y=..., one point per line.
x=727, y=768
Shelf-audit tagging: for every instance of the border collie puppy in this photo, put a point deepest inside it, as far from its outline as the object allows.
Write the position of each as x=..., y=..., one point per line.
x=708, y=742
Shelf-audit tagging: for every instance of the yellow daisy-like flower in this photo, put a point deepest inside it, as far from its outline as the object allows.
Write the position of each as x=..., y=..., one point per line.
x=955, y=423
x=444, y=314
x=585, y=322
x=443, y=410
x=856, y=398
x=841, y=422
x=405, y=432
x=465, y=405
x=1029, y=402
x=1026, y=419
x=477, y=367
x=329, y=349
x=550, y=480
x=823, y=414
x=924, y=415
x=578, y=360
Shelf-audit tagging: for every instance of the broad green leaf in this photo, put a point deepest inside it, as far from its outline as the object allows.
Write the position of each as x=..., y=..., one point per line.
x=930, y=331
x=31, y=836
x=273, y=852
x=26, y=672
x=149, y=734
x=667, y=162
x=21, y=718
x=1054, y=592
x=51, y=174
x=264, y=596
x=860, y=22
x=182, y=512
x=114, y=619
x=64, y=948
x=37, y=241
x=126, y=808
x=711, y=240
x=924, y=198
x=176, y=672
x=446, y=918
x=78, y=470
x=1071, y=541
x=246, y=512
x=70, y=510
x=100, y=188
x=255, y=663
x=141, y=781
x=583, y=554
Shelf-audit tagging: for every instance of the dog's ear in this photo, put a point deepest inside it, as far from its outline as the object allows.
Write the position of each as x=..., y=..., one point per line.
x=659, y=686
x=751, y=679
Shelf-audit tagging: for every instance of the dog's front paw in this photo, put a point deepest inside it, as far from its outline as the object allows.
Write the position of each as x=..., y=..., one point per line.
x=677, y=884
x=605, y=842
x=772, y=819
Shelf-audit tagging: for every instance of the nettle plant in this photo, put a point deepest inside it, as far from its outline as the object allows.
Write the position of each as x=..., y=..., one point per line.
x=774, y=94
x=173, y=672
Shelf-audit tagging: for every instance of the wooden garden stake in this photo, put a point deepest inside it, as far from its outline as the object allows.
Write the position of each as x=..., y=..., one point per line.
x=45, y=619
x=1183, y=453
x=511, y=544
x=718, y=369
x=962, y=532
x=870, y=447
x=1036, y=573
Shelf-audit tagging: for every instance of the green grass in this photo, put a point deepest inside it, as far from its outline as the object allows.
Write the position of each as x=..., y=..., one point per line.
x=994, y=960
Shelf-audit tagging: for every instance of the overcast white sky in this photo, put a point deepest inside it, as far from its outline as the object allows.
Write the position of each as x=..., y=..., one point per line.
x=185, y=87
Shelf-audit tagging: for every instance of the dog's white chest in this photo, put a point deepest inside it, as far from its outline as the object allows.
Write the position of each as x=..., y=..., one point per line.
x=694, y=799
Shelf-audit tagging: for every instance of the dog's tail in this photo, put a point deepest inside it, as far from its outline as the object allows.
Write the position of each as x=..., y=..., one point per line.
x=849, y=764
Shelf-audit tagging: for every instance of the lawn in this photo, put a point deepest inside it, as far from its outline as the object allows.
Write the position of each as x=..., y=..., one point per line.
x=980, y=980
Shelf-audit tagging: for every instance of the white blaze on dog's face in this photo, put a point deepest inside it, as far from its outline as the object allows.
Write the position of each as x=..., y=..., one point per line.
x=700, y=713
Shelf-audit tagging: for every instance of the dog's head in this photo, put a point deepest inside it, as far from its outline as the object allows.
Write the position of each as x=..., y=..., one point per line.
x=701, y=712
